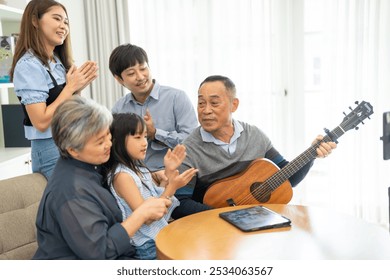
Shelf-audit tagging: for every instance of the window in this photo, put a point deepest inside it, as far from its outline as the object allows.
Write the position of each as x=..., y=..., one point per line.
x=297, y=66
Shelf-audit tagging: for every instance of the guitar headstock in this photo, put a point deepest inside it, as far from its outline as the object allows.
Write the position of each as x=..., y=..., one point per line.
x=358, y=115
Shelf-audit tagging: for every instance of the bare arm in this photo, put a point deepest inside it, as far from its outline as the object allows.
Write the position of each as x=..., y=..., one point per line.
x=76, y=79
x=126, y=188
x=150, y=210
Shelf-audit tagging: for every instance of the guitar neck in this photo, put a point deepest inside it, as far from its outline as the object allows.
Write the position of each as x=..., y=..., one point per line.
x=304, y=158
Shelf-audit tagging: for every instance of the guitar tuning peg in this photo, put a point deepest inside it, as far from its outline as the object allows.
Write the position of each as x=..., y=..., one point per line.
x=344, y=114
x=356, y=128
x=356, y=102
x=350, y=108
x=369, y=117
x=362, y=122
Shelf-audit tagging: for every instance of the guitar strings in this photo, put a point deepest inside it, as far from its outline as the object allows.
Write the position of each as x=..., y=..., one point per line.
x=265, y=189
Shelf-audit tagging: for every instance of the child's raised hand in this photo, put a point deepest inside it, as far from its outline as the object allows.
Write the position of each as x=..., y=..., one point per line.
x=160, y=178
x=176, y=180
x=173, y=158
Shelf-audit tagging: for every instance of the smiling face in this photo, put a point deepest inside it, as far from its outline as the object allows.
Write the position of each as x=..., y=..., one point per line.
x=138, y=80
x=215, y=108
x=53, y=27
x=96, y=150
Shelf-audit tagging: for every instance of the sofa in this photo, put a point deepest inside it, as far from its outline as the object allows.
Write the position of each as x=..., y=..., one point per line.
x=19, y=201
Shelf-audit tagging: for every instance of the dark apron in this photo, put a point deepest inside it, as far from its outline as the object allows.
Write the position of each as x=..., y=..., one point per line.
x=53, y=94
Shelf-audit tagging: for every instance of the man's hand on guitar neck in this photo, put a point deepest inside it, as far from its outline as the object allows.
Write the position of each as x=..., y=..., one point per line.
x=325, y=148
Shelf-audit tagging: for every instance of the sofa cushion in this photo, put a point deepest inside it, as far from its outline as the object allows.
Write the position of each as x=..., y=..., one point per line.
x=19, y=201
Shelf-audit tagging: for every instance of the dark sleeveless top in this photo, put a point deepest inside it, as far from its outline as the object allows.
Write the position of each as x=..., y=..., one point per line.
x=53, y=94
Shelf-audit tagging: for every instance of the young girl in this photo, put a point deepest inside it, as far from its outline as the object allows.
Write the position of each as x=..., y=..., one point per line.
x=131, y=182
x=44, y=76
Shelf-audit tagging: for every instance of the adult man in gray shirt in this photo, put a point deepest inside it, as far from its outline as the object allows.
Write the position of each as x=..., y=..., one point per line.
x=222, y=146
x=168, y=112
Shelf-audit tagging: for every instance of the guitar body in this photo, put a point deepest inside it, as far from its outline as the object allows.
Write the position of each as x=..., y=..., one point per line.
x=246, y=187
x=263, y=182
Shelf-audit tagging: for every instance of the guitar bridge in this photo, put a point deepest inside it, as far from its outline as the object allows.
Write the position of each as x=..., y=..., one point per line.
x=230, y=202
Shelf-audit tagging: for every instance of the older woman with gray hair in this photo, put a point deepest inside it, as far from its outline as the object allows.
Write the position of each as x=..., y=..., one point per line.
x=78, y=218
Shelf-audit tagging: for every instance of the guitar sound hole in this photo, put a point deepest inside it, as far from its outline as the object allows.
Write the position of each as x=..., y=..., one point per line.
x=260, y=192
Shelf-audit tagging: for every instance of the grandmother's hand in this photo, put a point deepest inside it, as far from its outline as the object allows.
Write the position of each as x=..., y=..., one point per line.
x=154, y=209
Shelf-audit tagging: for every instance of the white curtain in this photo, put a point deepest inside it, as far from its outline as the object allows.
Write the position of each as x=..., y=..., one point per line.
x=259, y=44
x=107, y=27
x=355, y=56
x=189, y=40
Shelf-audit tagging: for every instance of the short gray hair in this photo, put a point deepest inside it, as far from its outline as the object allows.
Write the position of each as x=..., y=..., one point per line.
x=228, y=83
x=75, y=121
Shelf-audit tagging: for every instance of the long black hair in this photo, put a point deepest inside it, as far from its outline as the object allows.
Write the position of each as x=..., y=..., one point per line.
x=123, y=124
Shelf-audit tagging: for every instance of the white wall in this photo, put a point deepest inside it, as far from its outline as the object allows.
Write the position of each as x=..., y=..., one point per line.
x=75, y=9
x=20, y=4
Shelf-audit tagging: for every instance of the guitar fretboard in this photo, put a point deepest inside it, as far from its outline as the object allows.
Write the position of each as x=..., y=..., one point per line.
x=304, y=158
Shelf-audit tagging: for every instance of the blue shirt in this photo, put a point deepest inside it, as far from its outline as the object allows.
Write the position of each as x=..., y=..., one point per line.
x=150, y=189
x=32, y=83
x=230, y=147
x=173, y=116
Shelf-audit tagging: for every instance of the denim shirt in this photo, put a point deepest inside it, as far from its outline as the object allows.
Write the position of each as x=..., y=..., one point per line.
x=32, y=83
x=78, y=218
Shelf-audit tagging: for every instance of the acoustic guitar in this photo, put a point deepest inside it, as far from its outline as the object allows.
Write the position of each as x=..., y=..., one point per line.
x=263, y=182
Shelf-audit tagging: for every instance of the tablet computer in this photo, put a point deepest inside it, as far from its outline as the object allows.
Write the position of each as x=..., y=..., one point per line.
x=255, y=218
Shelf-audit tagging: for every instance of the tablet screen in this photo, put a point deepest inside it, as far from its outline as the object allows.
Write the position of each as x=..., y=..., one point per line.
x=255, y=218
